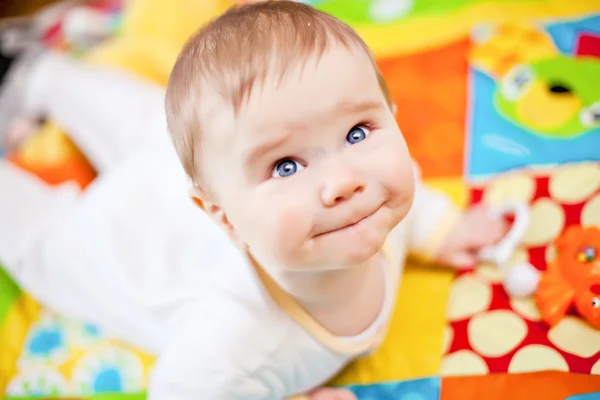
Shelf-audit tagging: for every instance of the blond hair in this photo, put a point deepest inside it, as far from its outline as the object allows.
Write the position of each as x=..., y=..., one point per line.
x=235, y=51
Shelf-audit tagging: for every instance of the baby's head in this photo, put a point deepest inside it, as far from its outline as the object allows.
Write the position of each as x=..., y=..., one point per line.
x=281, y=119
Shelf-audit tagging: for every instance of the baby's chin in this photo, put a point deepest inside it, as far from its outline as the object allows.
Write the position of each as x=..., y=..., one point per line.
x=360, y=253
x=336, y=258
x=347, y=255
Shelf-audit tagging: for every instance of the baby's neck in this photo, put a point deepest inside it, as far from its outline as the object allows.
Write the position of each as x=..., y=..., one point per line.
x=345, y=302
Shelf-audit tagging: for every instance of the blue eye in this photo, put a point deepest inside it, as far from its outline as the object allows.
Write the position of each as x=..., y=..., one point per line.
x=286, y=167
x=356, y=134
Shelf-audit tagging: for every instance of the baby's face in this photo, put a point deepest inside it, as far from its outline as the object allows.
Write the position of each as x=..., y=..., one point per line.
x=314, y=172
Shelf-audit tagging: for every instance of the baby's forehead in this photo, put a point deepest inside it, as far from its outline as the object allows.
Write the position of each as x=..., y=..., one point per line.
x=309, y=86
x=294, y=92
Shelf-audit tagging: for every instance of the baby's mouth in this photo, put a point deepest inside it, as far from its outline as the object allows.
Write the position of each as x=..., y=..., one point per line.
x=350, y=224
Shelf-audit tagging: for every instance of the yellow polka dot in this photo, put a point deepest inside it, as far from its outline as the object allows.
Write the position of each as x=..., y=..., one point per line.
x=447, y=338
x=536, y=357
x=491, y=273
x=550, y=253
x=575, y=182
x=463, y=362
x=514, y=187
x=496, y=333
x=575, y=336
x=526, y=307
x=547, y=220
x=519, y=256
x=590, y=215
x=596, y=368
x=468, y=296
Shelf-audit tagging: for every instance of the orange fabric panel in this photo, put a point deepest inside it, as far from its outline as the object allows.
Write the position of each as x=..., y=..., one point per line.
x=550, y=385
x=430, y=91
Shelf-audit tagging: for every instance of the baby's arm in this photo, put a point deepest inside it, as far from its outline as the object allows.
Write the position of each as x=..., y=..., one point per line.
x=431, y=219
x=439, y=231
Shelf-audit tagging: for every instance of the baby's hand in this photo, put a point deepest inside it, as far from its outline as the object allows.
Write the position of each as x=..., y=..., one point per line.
x=476, y=228
x=332, y=394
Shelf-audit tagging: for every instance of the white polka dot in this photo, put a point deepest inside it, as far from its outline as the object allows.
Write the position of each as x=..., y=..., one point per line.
x=547, y=221
x=596, y=368
x=468, y=295
x=496, y=333
x=590, y=215
x=575, y=336
x=536, y=357
x=463, y=362
x=447, y=338
x=518, y=187
x=574, y=183
x=389, y=10
x=481, y=33
x=526, y=307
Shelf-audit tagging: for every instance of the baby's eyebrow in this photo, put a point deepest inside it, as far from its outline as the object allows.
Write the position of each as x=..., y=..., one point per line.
x=263, y=148
x=346, y=107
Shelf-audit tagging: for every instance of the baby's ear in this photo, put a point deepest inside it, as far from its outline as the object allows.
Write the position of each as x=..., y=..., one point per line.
x=196, y=195
x=215, y=212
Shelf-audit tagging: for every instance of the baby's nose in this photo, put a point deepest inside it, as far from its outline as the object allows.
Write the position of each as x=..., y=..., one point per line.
x=340, y=185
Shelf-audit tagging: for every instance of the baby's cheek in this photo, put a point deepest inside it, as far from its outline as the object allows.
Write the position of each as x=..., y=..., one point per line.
x=291, y=228
x=277, y=233
x=398, y=173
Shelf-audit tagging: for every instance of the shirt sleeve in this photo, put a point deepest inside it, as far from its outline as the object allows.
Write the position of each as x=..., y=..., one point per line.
x=430, y=220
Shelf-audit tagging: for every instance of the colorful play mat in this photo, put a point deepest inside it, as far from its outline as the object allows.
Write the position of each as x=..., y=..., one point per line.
x=498, y=101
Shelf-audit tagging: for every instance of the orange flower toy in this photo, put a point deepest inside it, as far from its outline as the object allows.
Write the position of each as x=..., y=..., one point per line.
x=572, y=279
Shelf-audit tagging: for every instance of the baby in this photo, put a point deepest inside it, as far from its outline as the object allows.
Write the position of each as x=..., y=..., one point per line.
x=284, y=125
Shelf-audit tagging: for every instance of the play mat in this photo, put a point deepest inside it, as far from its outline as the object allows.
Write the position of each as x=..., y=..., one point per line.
x=498, y=100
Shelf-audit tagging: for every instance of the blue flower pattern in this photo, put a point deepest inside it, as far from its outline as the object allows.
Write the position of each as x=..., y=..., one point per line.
x=108, y=380
x=52, y=341
x=46, y=341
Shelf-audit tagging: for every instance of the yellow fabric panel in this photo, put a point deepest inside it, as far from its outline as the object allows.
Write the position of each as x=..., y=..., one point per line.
x=167, y=20
x=12, y=335
x=146, y=59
